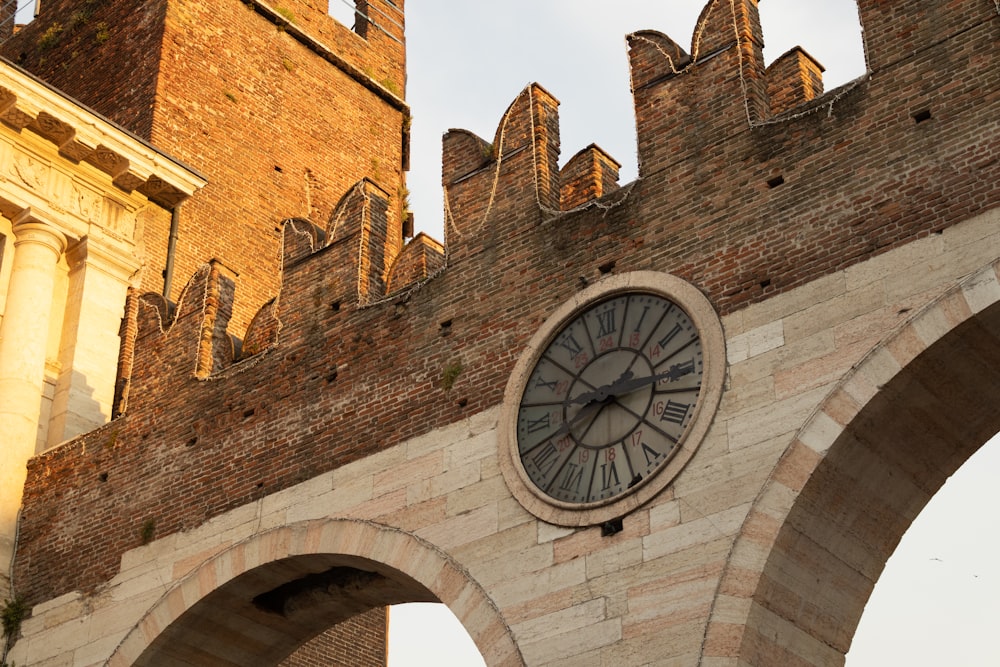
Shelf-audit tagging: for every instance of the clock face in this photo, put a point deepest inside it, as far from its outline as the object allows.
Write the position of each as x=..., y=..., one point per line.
x=610, y=398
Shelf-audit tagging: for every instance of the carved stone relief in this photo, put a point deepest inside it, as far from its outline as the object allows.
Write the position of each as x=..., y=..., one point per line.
x=108, y=161
x=118, y=220
x=87, y=203
x=53, y=129
x=15, y=117
x=32, y=172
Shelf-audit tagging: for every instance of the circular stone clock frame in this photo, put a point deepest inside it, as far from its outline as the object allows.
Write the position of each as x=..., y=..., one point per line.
x=609, y=387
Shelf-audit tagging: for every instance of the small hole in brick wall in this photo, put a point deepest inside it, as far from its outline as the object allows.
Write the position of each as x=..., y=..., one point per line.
x=260, y=485
x=192, y=442
x=278, y=169
x=335, y=306
x=922, y=115
x=764, y=284
x=776, y=181
x=445, y=328
x=607, y=267
x=248, y=413
x=462, y=402
x=103, y=477
x=332, y=375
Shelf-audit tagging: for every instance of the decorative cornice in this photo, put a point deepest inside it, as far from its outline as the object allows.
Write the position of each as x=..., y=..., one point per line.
x=81, y=135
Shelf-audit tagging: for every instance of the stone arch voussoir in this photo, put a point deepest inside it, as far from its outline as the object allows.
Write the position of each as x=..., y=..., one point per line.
x=744, y=626
x=416, y=560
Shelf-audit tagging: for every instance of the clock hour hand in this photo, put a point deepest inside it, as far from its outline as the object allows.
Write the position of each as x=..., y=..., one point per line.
x=626, y=384
x=581, y=414
x=601, y=393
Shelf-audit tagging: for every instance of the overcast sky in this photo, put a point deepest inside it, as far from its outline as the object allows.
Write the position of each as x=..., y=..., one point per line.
x=469, y=60
x=938, y=602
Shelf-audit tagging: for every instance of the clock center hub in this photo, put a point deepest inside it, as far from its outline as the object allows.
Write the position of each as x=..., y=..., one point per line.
x=600, y=412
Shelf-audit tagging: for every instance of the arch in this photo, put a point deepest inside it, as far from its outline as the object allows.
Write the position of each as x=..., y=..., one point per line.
x=285, y=585
x=854, y=478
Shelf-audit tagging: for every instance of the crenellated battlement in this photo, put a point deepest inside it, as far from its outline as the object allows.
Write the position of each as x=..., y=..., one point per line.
x=742, y=192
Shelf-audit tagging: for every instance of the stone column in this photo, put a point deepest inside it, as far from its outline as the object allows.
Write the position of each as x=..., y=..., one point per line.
x=88, y=354
x=23, y=339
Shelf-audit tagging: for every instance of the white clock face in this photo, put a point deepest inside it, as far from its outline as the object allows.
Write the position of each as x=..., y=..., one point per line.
x=610, y=398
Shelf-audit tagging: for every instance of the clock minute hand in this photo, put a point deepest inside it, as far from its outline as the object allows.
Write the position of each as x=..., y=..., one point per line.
x=627, y=385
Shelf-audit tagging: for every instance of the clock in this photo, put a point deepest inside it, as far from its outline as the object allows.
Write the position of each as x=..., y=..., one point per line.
x=611, y=398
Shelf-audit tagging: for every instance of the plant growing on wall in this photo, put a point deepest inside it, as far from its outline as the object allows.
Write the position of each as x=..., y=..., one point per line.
x=14, y=611
x=450, y=374
x=102, y=33
x=148, y=531
x=51, y=36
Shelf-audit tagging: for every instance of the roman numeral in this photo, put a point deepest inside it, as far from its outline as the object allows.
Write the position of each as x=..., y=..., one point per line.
x=609, y=476
x=545, y=458
x=675, y=412
x=540, y=382
x=677, y=371
x=647, y=451
x=606, y=323
x=683, y=368
x=571, y=480
x=573, y=347
x=538, y=424
x=645, y=309
x=669, y=337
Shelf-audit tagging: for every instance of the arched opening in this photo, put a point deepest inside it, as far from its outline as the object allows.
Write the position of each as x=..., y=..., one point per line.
x=938, y=600
x=422, y=633
x=264, y=615
x=883, y=444
x=262, y=599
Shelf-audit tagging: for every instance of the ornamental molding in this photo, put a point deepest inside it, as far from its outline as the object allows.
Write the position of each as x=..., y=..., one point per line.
x=80, y=135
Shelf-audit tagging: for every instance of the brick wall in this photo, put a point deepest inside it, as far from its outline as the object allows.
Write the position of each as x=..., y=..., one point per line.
x=350, y=642
x=104, y=53
x=282, y=111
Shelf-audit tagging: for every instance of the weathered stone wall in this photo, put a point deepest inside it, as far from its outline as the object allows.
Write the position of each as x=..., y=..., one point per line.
x=436, y=509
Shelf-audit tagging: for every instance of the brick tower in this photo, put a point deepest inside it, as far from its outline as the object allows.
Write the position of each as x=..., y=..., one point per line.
x=282, y=108
x=284, y=111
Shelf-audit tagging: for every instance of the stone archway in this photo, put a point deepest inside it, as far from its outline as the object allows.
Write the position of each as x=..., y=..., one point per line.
x=260, y=599
x=854, y=479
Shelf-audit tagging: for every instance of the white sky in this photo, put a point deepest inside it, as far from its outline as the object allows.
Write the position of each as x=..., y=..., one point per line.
x=467, y=61
x=938, y=602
